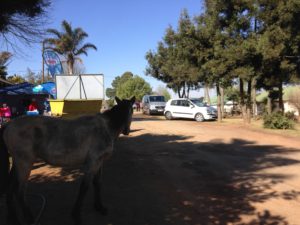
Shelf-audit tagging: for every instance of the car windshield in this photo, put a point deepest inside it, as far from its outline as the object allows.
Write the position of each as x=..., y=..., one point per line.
x=197, y=102
x=157, y=98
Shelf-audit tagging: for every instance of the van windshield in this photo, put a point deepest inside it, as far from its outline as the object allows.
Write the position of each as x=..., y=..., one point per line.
x=157, y=98
x=198, y=102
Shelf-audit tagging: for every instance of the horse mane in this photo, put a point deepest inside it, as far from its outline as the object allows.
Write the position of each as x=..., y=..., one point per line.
x=114, y=116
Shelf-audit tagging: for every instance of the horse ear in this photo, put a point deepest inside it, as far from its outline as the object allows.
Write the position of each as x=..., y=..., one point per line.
x=118, y=100
x=132, y=99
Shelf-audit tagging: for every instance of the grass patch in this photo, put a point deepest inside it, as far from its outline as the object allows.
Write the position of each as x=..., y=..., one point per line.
x=258, y=125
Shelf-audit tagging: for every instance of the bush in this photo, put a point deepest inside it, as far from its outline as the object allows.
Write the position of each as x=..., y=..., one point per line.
x=278, y=121
x=291, y=115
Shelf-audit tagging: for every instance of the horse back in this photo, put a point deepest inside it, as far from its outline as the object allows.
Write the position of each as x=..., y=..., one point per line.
x=58, y=141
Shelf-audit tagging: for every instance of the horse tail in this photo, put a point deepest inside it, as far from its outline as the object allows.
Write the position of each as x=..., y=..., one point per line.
x=4, y=164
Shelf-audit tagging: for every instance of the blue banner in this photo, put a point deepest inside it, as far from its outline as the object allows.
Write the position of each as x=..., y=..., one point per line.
x=46, y=88
x=53, y=62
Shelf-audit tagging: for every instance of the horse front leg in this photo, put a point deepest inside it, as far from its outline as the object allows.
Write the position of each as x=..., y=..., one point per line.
x=84, y=186
x=97, y=182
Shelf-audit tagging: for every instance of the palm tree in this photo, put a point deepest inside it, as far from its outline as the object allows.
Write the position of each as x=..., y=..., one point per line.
x=69, y=43
x=4, y=59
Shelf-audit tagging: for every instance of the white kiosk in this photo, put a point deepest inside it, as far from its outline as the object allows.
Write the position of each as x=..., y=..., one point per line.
x=78, y=94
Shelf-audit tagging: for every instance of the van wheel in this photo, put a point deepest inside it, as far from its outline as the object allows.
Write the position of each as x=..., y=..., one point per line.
x=168, y=115
x=199, y=117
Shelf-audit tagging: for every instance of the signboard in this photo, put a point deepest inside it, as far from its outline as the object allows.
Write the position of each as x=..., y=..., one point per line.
x=53, y=62
x=84, y=86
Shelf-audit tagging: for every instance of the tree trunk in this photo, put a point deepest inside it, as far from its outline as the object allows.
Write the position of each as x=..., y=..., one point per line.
x=253, y=96
x=206, y=94
x=188, y=92
x=280, y=97
x=222, y=101
x=248, y=104
x=183, y=91
x=178, y=91
x=70, y=67
x=219, y=103
x=242, y=100
x=269, y=104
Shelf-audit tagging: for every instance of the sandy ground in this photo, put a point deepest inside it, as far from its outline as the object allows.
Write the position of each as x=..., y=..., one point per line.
x=182, y=172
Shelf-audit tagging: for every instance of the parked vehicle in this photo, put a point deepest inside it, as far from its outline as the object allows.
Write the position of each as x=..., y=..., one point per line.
x=230, y=108
x=153, y=104
x=189, y=108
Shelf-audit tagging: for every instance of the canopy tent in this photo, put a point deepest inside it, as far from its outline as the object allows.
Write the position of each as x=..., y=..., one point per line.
x=17, y=89
x=46, y=88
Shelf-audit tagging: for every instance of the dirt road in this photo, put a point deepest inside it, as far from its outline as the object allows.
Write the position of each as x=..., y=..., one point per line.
x=184, y=173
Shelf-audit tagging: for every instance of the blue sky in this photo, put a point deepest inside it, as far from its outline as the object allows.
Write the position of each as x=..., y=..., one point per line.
x=123, y=32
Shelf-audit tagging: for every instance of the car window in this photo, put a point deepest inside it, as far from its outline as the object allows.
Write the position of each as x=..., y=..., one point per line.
x=157, y=98
x=198, y=102
x=174, y=102
x=185, y=103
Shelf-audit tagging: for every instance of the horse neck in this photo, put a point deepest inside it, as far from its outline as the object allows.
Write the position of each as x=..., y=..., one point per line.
x=115, y=123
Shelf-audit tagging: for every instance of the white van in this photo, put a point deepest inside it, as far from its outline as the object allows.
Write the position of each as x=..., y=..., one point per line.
x=153, y=104
x=189, y=108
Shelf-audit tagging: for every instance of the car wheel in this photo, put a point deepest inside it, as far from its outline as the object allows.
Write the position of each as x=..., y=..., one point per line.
x=168, y=115
x=199, y=117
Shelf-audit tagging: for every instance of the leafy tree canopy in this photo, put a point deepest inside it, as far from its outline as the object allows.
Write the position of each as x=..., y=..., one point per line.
x=111, y=92
x=135, y=86
x=22, y=18
x=175, y=60
x=4, y=60
x=69, y=43
x=164, y=92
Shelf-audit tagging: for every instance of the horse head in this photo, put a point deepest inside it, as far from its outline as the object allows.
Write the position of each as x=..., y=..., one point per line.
x=126, y=110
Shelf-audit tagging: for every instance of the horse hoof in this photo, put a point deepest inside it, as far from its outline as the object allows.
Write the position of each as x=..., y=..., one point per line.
x=101, y=209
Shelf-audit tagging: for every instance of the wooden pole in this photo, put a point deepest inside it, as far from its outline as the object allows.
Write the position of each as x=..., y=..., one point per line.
x=43, y=63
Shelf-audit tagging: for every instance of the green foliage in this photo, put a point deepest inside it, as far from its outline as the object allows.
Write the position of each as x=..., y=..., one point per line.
x=136, y=86
x=16, y=79
x=22, y=19
x=164, y=92
x=232, y=94
x=116, y=83
x=277, y=121
x=34, y=78
x=254, y=42
x=175, y=60
x=127, y=85
x=110, y=102
x=4, y=60
x=291, y=115
x=69, y=43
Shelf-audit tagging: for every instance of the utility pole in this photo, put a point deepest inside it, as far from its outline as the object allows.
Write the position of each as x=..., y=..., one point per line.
x=43, y=63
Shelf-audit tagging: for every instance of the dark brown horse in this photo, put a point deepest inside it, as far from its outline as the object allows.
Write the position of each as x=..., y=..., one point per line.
x=85, y=141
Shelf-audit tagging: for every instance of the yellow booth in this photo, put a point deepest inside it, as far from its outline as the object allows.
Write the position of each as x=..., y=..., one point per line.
x=78, y=95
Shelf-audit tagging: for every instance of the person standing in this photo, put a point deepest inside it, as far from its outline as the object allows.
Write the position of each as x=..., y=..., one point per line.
x=33, y=108
x=5, y=113
x=138, y=106
x=47, y=108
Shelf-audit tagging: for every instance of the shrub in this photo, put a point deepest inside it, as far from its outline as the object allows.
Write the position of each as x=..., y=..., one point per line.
x=278, y=121
x=291, y=115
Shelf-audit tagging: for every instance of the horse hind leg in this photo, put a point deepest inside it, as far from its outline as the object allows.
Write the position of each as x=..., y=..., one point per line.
x=18, y=209
x=84, y=186
x=97, y=182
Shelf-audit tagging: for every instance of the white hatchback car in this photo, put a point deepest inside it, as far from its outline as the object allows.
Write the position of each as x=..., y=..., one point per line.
x=189, y=108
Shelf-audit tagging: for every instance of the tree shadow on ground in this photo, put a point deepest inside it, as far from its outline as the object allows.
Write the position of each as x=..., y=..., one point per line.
x=167, y=179
x=211, y=182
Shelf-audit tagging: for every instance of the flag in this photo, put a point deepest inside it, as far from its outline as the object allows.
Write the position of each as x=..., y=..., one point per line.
x=53, y=62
